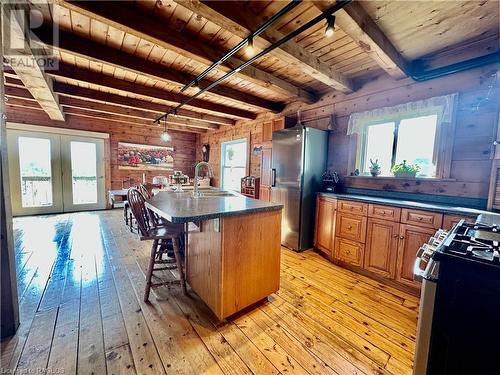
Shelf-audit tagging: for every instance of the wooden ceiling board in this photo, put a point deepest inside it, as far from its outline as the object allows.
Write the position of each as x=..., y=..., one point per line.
x=417, y=28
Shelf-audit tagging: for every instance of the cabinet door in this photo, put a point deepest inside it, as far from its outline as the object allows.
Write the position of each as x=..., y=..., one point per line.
x=279, y=124
x=325, y=225
x=410, y=239
x=267, y=131
x=265, y=193
x=381, y=247
x=265, y=166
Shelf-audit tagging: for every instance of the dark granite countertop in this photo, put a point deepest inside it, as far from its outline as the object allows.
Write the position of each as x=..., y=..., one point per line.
x=489, y=218
x=448, y=209
x=182, y=207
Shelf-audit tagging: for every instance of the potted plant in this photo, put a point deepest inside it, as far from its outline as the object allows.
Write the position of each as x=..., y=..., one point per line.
x=374, y=168
x=404, y=170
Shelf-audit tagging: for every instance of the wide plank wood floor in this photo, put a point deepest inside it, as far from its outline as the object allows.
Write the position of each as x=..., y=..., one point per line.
x=80, y=286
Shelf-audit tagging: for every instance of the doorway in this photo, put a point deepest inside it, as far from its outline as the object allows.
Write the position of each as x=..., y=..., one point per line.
x=53, y=173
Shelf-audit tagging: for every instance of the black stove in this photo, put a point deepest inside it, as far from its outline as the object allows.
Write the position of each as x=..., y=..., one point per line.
x=458, y=329
x=475, y=242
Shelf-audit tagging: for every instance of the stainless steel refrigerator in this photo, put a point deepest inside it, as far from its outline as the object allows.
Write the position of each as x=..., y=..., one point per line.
x=298, y=161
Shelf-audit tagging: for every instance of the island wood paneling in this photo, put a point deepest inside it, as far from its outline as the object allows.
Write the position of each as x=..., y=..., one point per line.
x=475, y=129
x=183, y=143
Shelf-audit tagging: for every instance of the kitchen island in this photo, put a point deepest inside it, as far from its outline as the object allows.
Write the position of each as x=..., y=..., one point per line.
x=233, y=248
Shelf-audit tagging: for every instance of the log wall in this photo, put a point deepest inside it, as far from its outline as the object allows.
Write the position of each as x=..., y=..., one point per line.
x=475, y=130
x=184, y=143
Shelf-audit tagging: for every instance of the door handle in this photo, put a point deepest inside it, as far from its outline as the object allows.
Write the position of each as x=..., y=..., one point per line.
x=273, y=177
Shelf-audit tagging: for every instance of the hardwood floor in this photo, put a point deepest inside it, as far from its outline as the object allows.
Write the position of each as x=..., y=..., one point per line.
x=81, y=279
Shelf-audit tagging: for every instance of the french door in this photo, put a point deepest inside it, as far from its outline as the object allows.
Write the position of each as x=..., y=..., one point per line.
x=51, y=173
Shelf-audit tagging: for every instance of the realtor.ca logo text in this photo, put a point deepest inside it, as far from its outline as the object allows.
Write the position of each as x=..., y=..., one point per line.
x=29, y=35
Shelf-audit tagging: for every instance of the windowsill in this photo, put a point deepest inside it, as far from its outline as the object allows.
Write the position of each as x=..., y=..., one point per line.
x=392, y=178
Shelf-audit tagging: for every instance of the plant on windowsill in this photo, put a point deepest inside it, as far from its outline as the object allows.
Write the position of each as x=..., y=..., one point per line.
x=403, y=170
x=374, y=168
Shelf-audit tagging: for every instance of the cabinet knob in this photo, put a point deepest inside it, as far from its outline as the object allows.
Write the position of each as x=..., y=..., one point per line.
x=401, y=237
x=395, y=236
x=419, y=217
x=349, y=227
x=382, y=213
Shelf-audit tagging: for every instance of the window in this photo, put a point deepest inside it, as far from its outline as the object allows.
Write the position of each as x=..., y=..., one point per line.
x=234, y=156
x=410, y=139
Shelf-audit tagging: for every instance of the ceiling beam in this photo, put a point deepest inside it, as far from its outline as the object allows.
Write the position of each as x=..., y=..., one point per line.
x=19, y=94
x=356, y=23
x=102, y=54
x=14, y=88
x=68, y=102
x=26, y=66
x=241, y=23
x=131, y=21
x=97, y=115
x=87, y=76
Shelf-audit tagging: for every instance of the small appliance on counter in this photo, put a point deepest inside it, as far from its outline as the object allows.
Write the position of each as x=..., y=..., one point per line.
x=458, y=328
x=250, y=186
x=331, y=182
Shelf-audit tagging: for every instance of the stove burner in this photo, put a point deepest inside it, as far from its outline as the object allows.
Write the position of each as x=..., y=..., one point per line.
x=478, y=242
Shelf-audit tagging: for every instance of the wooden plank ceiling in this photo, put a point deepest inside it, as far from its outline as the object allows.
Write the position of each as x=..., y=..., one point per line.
x=128, y=60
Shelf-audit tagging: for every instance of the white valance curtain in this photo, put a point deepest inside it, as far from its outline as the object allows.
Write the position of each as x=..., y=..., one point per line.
x=442, y=105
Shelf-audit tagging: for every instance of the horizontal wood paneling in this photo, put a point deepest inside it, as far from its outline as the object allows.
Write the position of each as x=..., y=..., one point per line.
x=183, y=143
x=475, y=129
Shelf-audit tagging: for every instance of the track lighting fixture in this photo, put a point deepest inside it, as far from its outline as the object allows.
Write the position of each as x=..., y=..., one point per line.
x=165, y=136
x=330, y=26
x=197, y=86
x=250, y=49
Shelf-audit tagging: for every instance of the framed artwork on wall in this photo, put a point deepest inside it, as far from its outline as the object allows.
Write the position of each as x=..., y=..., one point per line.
x=145, y=157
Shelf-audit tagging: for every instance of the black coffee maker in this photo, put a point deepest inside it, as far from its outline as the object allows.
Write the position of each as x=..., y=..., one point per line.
x=331, y=182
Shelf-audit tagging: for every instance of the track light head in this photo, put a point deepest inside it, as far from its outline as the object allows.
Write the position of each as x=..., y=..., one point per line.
x=165, y=136
x=250, y=50
x=330, y=26
x=197, y=86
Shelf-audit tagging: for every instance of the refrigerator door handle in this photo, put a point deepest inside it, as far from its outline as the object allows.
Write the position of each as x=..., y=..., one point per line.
x=273, y=177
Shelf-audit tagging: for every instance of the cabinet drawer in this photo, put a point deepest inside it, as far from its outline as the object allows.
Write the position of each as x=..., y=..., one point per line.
x=352, y=207
x=352, y=227
x=384, y=212
x=450, y=220
x=349, y=251
x=422, y=218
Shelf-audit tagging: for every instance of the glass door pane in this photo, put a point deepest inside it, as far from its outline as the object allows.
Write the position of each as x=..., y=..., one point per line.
x=84, y=172
x=35, y=172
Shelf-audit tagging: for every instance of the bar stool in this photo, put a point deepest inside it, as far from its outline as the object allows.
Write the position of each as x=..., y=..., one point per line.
x=162, y=236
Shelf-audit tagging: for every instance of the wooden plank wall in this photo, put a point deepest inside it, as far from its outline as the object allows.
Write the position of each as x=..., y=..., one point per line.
x=183, y=143
x=215, y=138
x=475, y=129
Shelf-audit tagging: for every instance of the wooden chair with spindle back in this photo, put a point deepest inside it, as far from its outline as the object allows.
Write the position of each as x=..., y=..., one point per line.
x=161, y=236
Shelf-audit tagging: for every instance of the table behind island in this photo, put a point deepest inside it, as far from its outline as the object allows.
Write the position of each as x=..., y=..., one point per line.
x=233, y=250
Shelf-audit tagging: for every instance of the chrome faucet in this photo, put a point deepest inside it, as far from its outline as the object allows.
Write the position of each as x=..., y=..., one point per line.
x=196, y=192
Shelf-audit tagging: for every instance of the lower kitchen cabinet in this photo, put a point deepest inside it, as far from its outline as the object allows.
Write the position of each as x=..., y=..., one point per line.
x=411, y=238
x=382, y=240
x=325, y=225
x=376, y=239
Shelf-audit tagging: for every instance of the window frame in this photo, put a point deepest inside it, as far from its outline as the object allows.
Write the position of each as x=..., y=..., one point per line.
x=223, y=146
x=443, y=144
